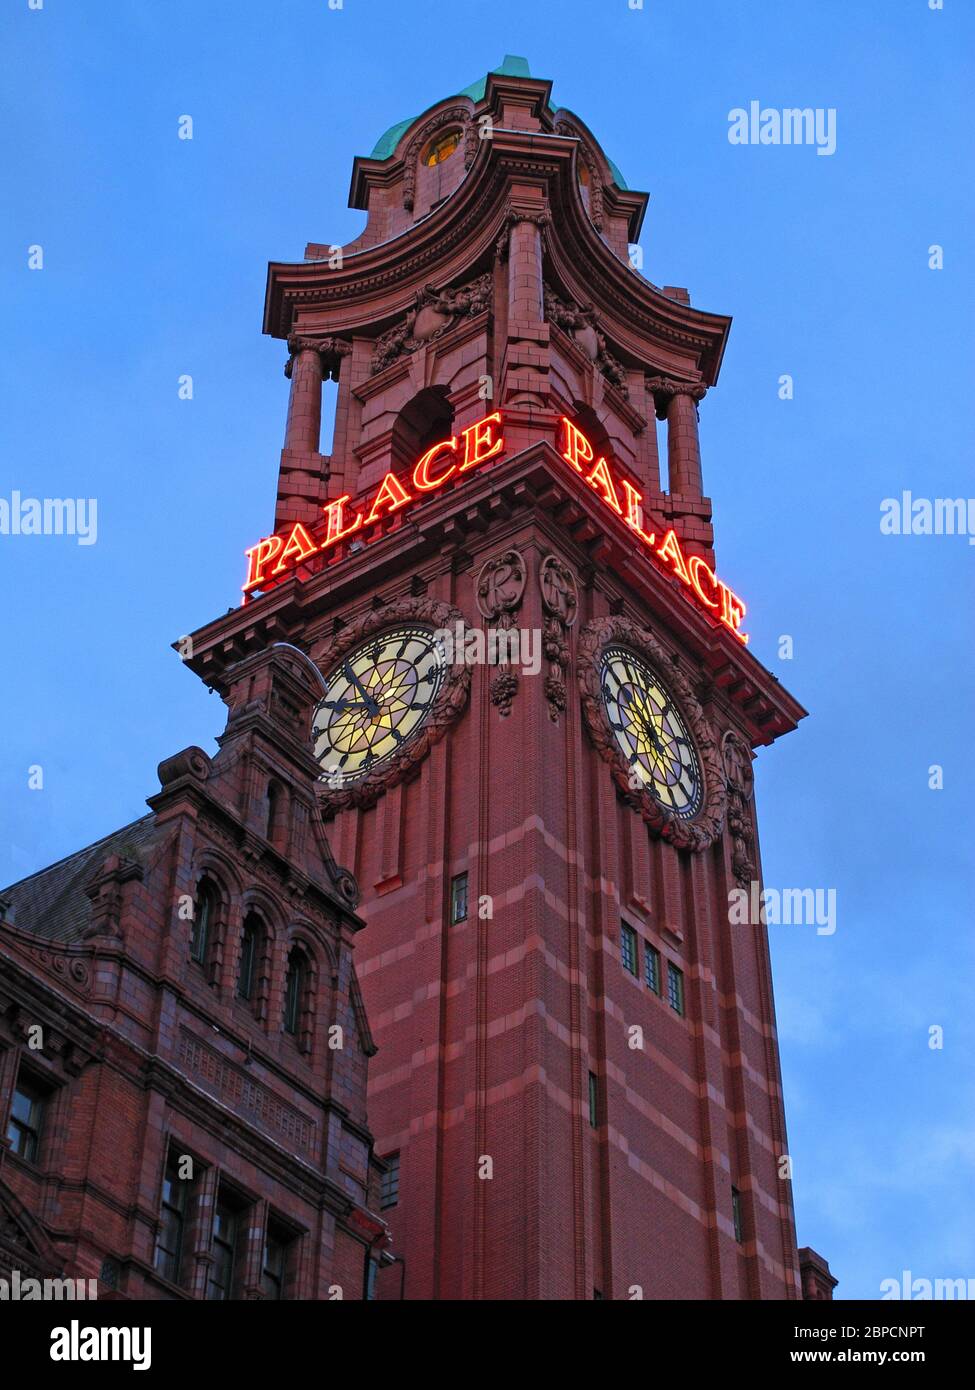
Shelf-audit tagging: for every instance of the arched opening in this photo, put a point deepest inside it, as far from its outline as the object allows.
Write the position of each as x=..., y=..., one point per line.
x=205, y=909
x=423, y=422
x=593, y=428
x=252, y=945
x=295, y=991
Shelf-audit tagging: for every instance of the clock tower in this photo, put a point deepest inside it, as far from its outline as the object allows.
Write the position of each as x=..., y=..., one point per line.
x=537, y=719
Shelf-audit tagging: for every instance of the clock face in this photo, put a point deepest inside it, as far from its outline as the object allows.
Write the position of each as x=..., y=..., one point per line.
x=650, y=732
x=377, y=699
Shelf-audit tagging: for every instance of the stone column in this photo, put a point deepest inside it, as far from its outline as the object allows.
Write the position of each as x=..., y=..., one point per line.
x=304, y=367
x=525, y=267
x=676, y=402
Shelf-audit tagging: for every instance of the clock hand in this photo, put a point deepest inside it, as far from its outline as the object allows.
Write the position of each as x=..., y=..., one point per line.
x=371, y=707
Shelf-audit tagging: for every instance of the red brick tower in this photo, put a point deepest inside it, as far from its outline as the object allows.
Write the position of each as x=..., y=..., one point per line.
x=577, y=1079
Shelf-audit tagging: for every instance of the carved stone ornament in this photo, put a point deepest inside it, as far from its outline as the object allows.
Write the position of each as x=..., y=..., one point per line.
x=433, y=313
x=542, y=220
x=499, y=590
x=450, y=701
x=500, y=585
x=582, y=324
x=740, y=776
x=560, y=602
x=330, y=352
x=664, y=388
x=703, y=829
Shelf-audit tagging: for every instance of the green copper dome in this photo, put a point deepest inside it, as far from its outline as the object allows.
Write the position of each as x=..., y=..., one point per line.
x=512, y=66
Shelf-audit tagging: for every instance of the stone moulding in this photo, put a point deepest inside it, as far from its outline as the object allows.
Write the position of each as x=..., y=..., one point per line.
x=703, y=829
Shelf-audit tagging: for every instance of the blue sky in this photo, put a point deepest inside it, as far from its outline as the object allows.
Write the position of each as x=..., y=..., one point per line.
x=154, y=266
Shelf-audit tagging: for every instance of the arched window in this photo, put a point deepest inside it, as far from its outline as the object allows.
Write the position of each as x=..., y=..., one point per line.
x=295, y=990
x=440, y=148
x=204, y=920
x=423, y=422
x=251, y=951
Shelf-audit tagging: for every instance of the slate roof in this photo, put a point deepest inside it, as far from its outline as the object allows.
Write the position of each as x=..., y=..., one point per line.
x=52, y=903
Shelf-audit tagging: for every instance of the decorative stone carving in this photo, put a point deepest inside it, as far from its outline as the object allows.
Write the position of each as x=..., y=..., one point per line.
x=695, y=834
x=498, y=590
x=449, y=703
x=664, y=388
x=560, y=603
x=453, y=115
x=330, y=350
x=433, y=313
x=191, y=762
x=740, y=777
x=500, y=585
x=582, y=324
x=542, y=220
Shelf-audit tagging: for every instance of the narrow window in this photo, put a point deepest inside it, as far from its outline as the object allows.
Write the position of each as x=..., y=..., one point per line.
x=458, y=899
x=226, y=1232
x=675, y=988
x=294, y=993
x=628, y=949
x=172, y=1223
x=274, y=1267
x=204, y=916
x=389, y=1185
x=275, y=807
x=250, y=944
x=651, y=967
x=373, y=1270
x=26, y=1120
x=593, y=1100
x=736, y=1213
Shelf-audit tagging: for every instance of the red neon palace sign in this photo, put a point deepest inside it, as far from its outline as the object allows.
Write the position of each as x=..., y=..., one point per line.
x=277, y=555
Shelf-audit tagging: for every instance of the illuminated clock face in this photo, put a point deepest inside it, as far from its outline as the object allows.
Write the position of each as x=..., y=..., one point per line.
x=376, y=700
x=650, y=732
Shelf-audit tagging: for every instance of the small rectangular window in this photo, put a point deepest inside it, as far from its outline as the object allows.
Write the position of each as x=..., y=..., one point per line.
x=26, y=1119
x=458, y=899
x=736, y=1212
x=675, y=988
x=651, y=968
x=389, y=1184
x=593, y=1100
x=628, y=949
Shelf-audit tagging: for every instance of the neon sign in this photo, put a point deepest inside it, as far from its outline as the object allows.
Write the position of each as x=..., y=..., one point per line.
x=277, y=554
x=702, y=584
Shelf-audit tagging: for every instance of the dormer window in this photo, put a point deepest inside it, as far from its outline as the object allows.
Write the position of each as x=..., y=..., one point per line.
x=440, y=148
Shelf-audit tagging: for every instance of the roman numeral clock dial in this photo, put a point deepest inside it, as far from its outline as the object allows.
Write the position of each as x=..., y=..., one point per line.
x=377, y=700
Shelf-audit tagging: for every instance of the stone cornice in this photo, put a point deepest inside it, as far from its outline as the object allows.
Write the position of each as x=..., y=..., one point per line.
x=377, y=284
